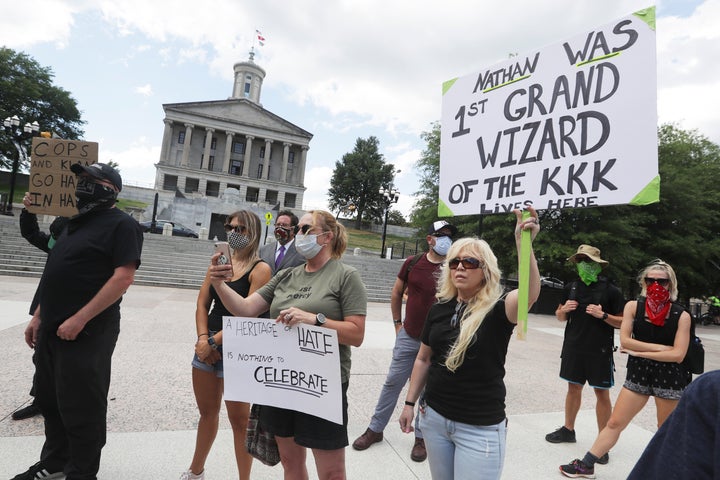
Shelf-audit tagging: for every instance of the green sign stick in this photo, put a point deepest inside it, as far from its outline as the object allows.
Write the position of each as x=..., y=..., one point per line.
x=524, y=279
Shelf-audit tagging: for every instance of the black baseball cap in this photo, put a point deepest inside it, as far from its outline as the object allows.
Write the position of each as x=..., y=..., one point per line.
x=439, y=225
x=99, y=171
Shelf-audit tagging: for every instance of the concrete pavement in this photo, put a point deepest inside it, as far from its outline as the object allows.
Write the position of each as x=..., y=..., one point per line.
x=152, y=414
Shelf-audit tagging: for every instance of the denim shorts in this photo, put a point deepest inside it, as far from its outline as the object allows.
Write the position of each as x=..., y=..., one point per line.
x=216, y=367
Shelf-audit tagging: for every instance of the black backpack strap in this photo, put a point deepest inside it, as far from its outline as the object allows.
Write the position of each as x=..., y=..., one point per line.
x=415, y=259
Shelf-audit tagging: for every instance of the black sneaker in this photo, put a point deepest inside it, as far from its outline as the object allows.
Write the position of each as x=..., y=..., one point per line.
x=39, y=472
x=561, y=435
x=604, y=459
x=577, y=469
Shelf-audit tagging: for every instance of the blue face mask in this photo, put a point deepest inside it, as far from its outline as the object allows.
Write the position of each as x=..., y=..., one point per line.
x=442, y=245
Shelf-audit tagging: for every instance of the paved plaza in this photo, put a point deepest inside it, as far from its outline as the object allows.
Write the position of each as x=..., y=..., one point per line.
x=152, y=414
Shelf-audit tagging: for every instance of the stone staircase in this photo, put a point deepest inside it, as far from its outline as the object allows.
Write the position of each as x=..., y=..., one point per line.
x=177, y=262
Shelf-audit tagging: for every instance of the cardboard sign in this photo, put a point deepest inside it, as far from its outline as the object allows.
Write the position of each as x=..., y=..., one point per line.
x=571, y=125
x=52, y=184
x=269, y=363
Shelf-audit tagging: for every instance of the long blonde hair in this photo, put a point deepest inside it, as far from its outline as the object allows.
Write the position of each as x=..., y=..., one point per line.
x=480, y=304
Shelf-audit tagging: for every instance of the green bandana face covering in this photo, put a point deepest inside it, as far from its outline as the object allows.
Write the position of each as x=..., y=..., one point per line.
x=588, y=271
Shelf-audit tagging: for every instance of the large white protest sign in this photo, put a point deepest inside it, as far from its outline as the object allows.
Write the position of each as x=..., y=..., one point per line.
x=290, y=367
x=571, y=125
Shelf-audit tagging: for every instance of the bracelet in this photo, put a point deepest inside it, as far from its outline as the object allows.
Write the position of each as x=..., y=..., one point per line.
x=203, y=334
x=409, y=404
x=397, y=322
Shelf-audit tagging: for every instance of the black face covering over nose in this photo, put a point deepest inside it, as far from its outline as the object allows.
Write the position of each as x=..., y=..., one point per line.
x=90, y=195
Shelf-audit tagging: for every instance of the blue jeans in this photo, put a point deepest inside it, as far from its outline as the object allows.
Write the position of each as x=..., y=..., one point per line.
x=459, y=450
x=403, y=359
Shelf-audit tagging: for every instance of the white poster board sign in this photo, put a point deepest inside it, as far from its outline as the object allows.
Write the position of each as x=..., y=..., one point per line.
x=296, y=367
x=571, y=125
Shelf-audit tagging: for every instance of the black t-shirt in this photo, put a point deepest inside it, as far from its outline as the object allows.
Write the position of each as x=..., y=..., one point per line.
x=241, y=286
x=83, y=260
x=475, y=392
x=585, y=334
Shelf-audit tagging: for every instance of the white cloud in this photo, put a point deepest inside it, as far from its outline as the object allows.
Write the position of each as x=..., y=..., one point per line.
x=145, y=90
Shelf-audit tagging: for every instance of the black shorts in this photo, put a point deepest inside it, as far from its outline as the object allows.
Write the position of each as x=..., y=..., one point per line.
x=666, y=380
x=307, y=430
x=596, y=370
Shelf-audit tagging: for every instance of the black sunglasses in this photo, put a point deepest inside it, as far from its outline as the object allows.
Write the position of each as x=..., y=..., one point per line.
x=236, y=229
x=468, y=263
x=304, y=229
x=663, y=282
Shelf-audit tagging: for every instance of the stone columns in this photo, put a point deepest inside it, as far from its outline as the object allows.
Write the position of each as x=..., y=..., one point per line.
x=186, y=146
x=286, y=152
x=208, y=142
x=268, y=151
x=303, y=164
x=246, y=157
x=166, y=141
x=228, y=152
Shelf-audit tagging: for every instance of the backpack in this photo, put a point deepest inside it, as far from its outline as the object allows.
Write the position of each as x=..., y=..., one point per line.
x=694, y=360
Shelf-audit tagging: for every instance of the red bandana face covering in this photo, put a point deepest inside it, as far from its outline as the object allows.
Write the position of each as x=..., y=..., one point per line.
x=657, y=304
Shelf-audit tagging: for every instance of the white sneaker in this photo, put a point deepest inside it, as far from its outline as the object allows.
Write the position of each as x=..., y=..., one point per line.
x=188, y=475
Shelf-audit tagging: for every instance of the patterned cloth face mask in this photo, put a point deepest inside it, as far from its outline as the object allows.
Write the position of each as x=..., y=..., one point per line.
x=238, y=241
x=588, y=272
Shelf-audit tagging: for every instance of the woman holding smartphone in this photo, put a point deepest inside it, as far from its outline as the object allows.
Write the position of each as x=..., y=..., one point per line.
x=323, y=292
x=249, y=273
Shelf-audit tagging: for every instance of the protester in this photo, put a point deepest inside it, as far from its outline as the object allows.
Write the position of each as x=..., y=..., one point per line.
x=461, y=362
x=323, y=292
x=686, y=445
x=655, y=333
x=249, y=274
x=77, y=323
x=592, y=308
x=282, y=254
x=417, y=276
x=30, y=230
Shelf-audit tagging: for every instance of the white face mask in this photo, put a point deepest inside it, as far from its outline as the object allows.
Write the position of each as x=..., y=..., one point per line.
x=442, y=245
x=307, y=246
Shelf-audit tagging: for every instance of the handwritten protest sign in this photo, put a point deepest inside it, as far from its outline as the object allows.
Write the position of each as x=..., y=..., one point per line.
x=52, y=184
x=290, y=367
x=571, y=125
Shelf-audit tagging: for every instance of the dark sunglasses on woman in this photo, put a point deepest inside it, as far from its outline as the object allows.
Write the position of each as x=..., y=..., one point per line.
x=663, y=282
x=468, y=263
x=235, y=228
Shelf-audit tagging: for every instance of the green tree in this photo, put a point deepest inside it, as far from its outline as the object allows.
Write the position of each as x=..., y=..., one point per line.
x=395, y=217
x=27, y=90
x=358, y=177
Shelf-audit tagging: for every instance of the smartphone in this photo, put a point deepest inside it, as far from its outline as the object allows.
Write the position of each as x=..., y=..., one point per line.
x=223, y=248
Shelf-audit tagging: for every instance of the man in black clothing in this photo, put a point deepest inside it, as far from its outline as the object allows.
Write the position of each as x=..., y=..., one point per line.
x=592, y=308
x=77, y=324
x=30, y=230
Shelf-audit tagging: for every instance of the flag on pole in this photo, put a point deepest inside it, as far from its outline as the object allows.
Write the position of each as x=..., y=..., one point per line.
x=260, y=38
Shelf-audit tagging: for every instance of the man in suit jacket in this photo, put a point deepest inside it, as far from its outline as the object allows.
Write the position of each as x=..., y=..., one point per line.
x=282, y=254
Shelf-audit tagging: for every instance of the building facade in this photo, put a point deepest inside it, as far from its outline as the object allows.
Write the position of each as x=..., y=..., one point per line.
x=220, y=156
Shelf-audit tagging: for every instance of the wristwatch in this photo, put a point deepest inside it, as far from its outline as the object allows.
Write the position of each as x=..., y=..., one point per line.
x=397, y=322
x=320, y=320
x=605, y=315
x=211, y=342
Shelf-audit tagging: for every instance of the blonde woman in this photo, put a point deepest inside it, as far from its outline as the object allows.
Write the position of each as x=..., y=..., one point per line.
x=461, y=362
x=656, y=339
x=323, y=292
x=250, y=273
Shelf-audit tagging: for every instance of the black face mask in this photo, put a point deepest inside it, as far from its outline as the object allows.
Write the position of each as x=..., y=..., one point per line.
x=90, y=195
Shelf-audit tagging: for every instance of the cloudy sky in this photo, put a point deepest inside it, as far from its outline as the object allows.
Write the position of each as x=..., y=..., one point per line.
x=340, y=69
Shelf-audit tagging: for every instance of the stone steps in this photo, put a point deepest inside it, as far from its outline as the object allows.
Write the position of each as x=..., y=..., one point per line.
x=177, y=262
